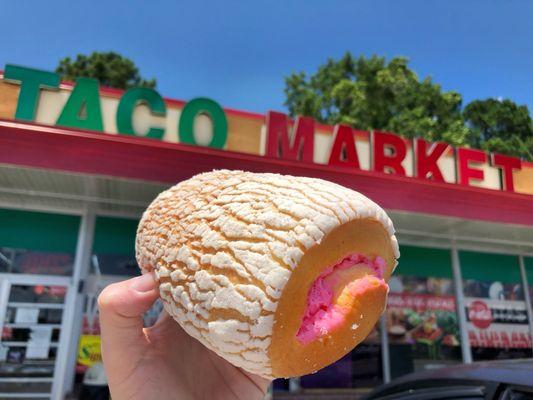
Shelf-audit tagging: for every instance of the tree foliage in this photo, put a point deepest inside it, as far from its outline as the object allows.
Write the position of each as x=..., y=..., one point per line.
x=111, y=69
x=371, y=93
x=501, y=126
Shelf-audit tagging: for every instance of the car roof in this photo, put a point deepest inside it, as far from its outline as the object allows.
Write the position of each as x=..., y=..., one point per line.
x=510, y=372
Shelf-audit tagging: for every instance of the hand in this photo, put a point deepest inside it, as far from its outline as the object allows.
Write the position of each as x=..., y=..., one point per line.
x=163, y=361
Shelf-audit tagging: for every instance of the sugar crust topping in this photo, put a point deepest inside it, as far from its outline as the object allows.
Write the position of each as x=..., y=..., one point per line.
x=224, y=243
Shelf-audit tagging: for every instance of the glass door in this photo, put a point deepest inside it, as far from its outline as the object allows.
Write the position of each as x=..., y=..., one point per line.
x=31, y=321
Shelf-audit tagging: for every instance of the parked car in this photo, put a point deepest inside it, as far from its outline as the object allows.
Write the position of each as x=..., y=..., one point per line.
x=495, y=380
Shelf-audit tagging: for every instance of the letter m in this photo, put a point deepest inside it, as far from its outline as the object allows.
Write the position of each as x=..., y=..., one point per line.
x=279, y=143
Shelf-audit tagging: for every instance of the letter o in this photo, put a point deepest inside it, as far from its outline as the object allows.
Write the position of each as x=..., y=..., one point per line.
x=202, y=105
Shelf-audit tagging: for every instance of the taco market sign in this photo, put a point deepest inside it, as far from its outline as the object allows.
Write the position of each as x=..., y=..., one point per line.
x=38, y=96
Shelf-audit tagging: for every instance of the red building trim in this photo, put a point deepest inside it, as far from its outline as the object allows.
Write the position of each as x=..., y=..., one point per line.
x=139, y=158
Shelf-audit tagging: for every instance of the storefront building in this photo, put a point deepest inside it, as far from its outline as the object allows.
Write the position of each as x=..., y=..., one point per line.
x=79, y=163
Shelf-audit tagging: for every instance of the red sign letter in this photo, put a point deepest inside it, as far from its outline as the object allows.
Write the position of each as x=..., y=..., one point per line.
x=427, y=163
x=344, y=140
x=386, y=162
x=506, y=164
x=464, y=156
x=279, y=144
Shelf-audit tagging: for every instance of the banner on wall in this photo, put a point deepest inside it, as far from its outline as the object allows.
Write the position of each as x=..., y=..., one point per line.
x=497, y=323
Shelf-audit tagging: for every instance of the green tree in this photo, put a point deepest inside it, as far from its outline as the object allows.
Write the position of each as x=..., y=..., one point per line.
x=501, y=126
x=111, y=69
x=371, y=93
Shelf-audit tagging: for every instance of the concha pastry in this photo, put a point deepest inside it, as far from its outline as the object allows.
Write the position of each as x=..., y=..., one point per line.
x=279, y=275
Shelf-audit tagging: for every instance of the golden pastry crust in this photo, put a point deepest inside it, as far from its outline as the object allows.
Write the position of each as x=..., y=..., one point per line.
x=236, y=252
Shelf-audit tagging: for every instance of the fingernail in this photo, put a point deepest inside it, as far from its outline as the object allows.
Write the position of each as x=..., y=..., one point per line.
x=143, y=283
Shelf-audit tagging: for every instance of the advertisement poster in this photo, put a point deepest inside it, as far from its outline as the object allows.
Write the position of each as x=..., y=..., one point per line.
x=26, y=315
x=422, y=325
x=495, y=323
x=3, y=352
x=38, y=346
x=89, y=345
x=89, y=351
x=422, y=311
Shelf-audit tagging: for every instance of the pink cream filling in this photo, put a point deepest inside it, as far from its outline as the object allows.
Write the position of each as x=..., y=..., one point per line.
x=323, y=313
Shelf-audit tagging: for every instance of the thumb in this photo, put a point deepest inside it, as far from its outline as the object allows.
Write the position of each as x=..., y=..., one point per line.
x=121, y=306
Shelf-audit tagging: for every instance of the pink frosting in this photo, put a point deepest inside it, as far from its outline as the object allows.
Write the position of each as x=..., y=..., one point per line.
x=322, y=315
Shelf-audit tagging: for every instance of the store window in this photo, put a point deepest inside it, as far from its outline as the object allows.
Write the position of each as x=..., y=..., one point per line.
x=37, y=243
x=497, y=321
x=422, y=325
x=114, y=247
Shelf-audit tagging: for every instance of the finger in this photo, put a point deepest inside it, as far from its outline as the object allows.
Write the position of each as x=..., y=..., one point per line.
x=121, y=306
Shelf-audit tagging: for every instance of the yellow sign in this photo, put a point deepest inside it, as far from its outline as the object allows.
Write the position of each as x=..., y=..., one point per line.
x=89, y=351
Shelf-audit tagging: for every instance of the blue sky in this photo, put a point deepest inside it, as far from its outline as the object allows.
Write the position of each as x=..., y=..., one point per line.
x=239, y=52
